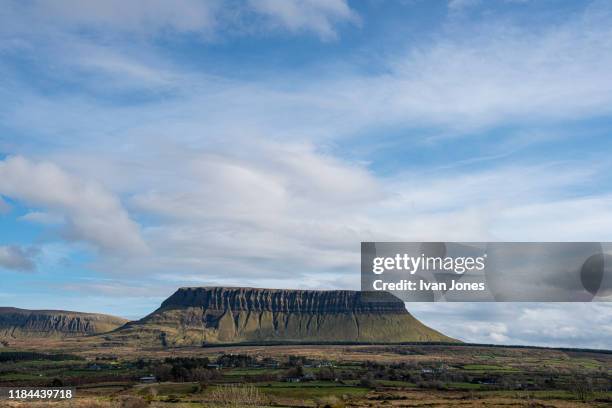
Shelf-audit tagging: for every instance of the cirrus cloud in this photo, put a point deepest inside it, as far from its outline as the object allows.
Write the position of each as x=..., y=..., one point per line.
x=152, y=18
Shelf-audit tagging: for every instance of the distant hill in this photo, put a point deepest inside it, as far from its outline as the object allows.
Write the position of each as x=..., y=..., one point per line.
x=212, y=315
x=22, y=323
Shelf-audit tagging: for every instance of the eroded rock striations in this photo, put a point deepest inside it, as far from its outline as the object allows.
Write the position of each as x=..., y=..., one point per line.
x=19, y=323
x=204, y=315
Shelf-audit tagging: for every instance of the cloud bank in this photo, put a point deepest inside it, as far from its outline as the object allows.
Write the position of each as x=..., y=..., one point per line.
x=91, y=213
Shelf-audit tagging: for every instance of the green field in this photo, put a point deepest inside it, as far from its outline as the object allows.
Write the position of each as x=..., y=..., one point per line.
x=320, y=376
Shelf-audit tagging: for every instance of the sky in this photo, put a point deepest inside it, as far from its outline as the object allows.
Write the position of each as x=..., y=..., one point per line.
x=150, y=145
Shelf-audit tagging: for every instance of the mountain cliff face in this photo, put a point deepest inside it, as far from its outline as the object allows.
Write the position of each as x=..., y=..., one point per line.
x=18, y=323
x=195, y=316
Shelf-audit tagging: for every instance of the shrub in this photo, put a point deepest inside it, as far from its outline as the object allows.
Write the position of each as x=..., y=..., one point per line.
x=581, y=387
x=326, y=374
x=234, y=396
x=330, y=401
x=132, y=402
x=150, y=394
x=366, y=381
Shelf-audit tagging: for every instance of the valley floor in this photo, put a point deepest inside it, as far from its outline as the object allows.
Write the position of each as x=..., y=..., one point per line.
x=309, y=376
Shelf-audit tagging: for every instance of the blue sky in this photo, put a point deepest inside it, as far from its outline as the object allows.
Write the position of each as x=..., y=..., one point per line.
x=146, y=146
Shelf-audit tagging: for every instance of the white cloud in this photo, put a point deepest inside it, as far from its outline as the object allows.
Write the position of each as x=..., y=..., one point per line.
x=546, y=324
x=214, y=169
x=139, y=16
x=492, y=75
x=285, y=206
x=42, y=217
x=17, y=258
x=572, y=219
x=270, y=208
x=92, y=214
x=111, y=288
x=456, y=5
x=318, y=16
x=527, y=202
x=125, y=71
x=208, y=19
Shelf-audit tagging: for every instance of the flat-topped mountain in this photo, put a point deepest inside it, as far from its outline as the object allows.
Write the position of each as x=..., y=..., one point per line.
x=282, y=300
x=20, y=323
x=208, y=315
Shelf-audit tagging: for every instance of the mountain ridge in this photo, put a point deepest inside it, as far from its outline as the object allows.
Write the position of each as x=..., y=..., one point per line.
x=282, y=300
x=211, y=315
x=21, y=323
